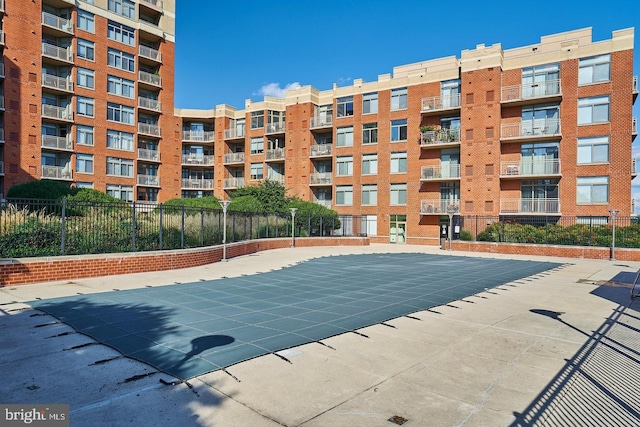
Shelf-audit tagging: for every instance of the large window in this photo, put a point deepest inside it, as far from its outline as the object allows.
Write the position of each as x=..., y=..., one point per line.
x=84, y=163
x=120, y=113
x=370, y=103
x=257, y=171
x=86, y=78
x=399, y=99
x=370, y=195
x=595, y=69
x=344, y=165
x=122, y=192
x=593, y=189
x=121, y=60
x=119, y=140
x=85, y=106
x=257, y=145
x=121, y=87
x=86, y=50
x=84, y=135
x=121, y=33
x=593, y=150
x=86, y=21
x=369, y=164
x=257, y=119
x=122, y=7
x=593, y=110
x=398, y=194
x=399, y=130
x=344, y=136
x=344, y=195
x=119, y=167
x=344, y=106
x=370, y=133
x=399, y=162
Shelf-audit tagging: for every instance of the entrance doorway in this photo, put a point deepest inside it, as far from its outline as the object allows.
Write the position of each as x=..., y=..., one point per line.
x=398, y=229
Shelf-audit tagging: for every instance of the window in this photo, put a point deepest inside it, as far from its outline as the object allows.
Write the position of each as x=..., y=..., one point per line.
x=257, y=119
x=84, y=135
x=370, y=194
x=121, y=60
x=593, y=110
x=398, y=194
x=370, y=133
x=344, y=136
x=119, y=167
x=593, y=189
x=369, y=164
x=119, y=140
x=399, y=99
x=121, y=87
x=84, y=184
x=84, y=163
x=85, y=106
x=125, y=8
x=592, y=220
x=86, y=49
x=257, y=145
x=121, y=33
x=120, y=113
x=399, y=162
x=370, y=103
x=344, y=165
x=399, y=130
x=122, y=192
x=344, y=106
x=86, y=78
x=257, y=171
x=595, y=69
x=370, y=223
x=344, y=195
x=593, y=150
x=86, y=21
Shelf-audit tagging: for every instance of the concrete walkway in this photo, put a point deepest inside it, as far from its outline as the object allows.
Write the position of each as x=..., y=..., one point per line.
x=560, y=348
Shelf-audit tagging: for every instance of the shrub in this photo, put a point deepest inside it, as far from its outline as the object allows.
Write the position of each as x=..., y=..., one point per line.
x=193, y=205
x=466, y=235
x=45, y=189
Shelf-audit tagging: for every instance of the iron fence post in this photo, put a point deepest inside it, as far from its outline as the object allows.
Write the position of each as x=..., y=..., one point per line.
x=321, y=232
x=133, y=227
x=182, y=230
x=502, y=224
x=201, y=226
x=64, y=225
x=160, y=232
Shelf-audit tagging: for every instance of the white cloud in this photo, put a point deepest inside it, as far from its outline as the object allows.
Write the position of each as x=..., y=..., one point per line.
x=343, y=80
x=274, y=89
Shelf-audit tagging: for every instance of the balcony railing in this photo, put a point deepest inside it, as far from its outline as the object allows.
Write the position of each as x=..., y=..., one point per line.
x=440, y=172
x=274, y=128
x=150, y=155
x=275, y=154
x=532, y=167
x=1, y=69
x=320, y=178
x=325, y=203
x=56, y=172
x=149, y=78
x=55, y=112
x=150, y=53
x=57, y=52
x=439, y=206
x=634, y=125
x=155, y=4
x=276, y=178
x=1, y=168
x=439, y=103
x=440, y=137
x=2, y=37
x=320, y=150
x=2, y=102
x=197, y=183
x=58, y=22
x=233, y=182
x=149, y=129
x=531, y=129
x=634, y=169
x=149, y=104
x=197, y=159
x=198, y=135
x=233, y=133
x=530, y=206
x=321, y=122
x=149, y=180
x=635, y=84
x=1, y=135
x=233, y=158
x=59, y=83
x=2, y=6
x=57, y=142
x=531, y=91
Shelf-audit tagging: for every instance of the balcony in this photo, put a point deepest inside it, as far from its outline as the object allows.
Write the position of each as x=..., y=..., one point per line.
x=320, y=150
x=1, y=37
x=320, y=179
x=548, y=91
x=1, y=70
x=634, y=169
x=63, y=143
x=2, y=102
x=57, y=23
x=440, y=104
x=57, y=84
x=1, y=136
x=231, y=183
x=2, y=6
x=231, y=158
x=276, y=178
x=439, y=206
x=321, y=122
x=198, y=135
x=440, y=173
x=197, y=159
x=149, y=129
x=275, y=154
x=272, y=128
x=233, y=133
x=149, y=180
x=148, y=155
x=150, y=53
x=1, y=168
x=58, y=53
x=197, y=184
x=57, y=172
x=635, y=88
x=152, y=4
x=539, y=130
x=530, y=168
x=634, y=127
x=149, y=79
x=323, y=202
x=149, y=104
x=540, y=206
x=441, y=138
x=57, y=113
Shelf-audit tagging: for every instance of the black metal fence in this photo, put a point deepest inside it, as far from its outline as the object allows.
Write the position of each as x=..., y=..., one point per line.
x=31, y=227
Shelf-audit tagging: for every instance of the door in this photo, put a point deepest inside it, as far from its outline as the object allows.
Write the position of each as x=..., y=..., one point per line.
x=398, y=229
x=450, y=163
x=450, y=94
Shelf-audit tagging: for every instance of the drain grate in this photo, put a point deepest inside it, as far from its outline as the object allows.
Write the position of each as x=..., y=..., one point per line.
x=397, y=419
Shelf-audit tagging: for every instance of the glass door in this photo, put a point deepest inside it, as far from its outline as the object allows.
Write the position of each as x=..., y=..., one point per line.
x=449, y=163
x=450, y=93
x=398, y=229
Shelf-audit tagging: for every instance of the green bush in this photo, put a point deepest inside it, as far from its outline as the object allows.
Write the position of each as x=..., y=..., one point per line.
x=45, y=189
x=246, y=204
x=466, y=235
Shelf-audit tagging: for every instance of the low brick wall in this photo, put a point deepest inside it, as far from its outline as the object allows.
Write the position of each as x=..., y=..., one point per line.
x=20, y=271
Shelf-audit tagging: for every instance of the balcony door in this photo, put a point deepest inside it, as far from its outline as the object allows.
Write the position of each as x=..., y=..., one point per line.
x=540, y=159
x=449, y=163
x=540, y=196
x=450, y=93
x=449, y=195
x=540, y=120
x=541, y=80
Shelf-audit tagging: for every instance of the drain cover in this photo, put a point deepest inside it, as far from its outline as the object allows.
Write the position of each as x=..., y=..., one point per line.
x=397, y=419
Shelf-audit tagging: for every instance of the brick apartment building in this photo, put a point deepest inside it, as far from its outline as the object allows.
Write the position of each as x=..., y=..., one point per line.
x=541, y=130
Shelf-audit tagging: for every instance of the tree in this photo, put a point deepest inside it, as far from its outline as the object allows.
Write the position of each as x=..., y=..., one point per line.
x=270, y=194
